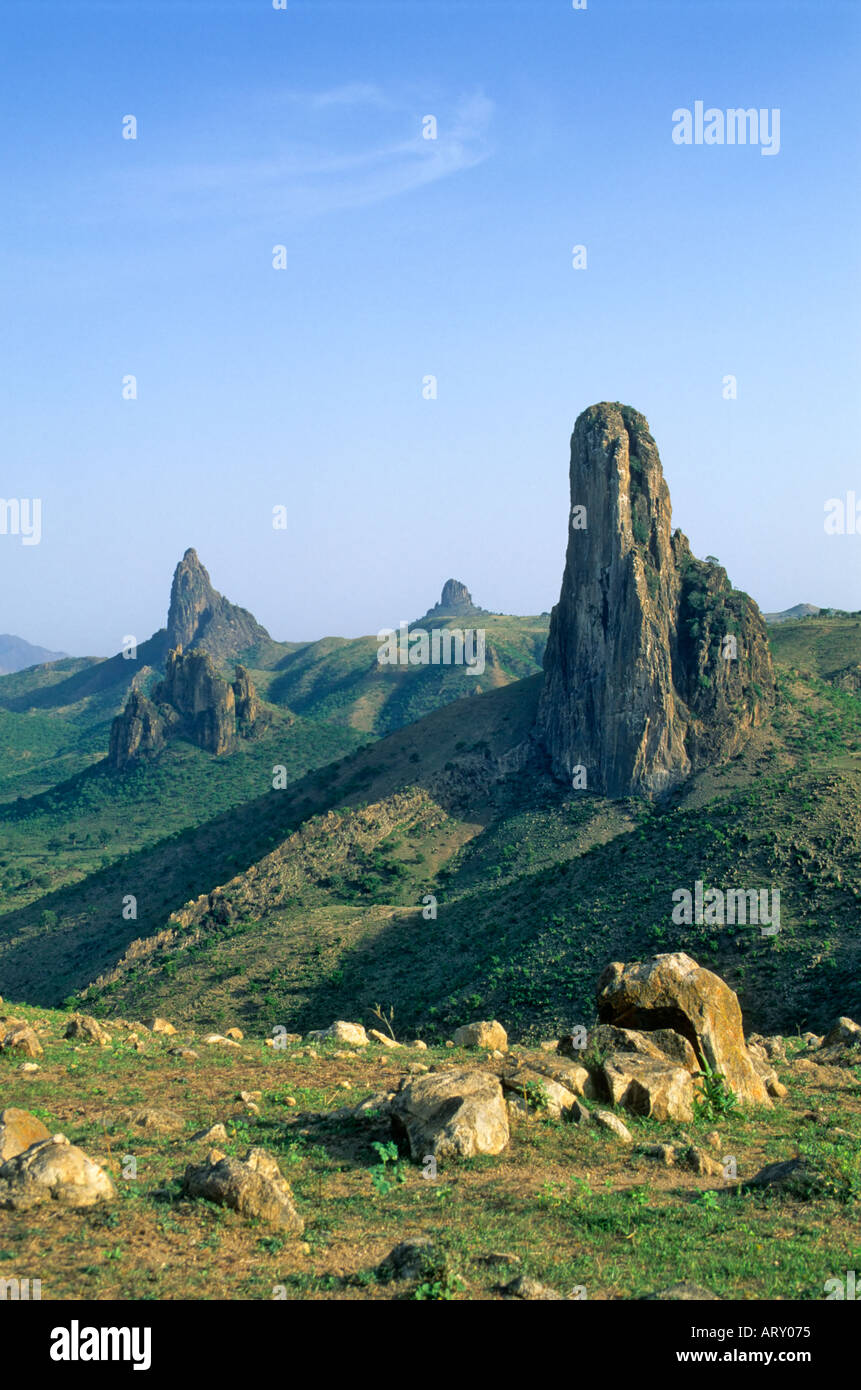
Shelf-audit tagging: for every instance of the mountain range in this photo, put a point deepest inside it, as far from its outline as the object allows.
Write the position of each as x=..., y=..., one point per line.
x=281, y=826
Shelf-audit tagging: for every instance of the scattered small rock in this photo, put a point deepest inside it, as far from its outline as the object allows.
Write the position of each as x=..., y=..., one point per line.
x=607, y=1120
x=216, y=1134
x=161, y=1025
x=683, y=1292
x=486, y=1035
x=525, y=1287
x=414, y=1260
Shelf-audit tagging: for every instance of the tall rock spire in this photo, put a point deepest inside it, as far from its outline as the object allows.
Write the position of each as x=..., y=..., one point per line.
x=200, y=616
x=641, y=687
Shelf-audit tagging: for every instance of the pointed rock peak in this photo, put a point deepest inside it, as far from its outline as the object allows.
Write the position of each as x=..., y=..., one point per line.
x=655, y=665
x=199, y=614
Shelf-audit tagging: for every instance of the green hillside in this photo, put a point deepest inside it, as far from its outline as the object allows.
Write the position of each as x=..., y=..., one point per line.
x=99, y=816
x=343, y=681
x=320, y=910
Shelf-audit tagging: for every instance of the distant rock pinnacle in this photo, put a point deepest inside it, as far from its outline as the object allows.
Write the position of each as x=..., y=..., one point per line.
x=455, y=595
x=456, y=602
x=655, y=666
x=200, y=616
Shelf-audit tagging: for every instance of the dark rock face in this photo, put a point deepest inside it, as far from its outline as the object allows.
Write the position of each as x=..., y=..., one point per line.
x=200, y=616
x=137, y=732
x=655, y=665
x=245, y=696
x=191, y=702
x=204, y=702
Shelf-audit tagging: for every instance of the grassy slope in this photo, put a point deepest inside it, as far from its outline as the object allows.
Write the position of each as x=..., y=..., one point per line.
x=564, y=1203
x=537, y=888
x=342, y=680
x=99, y=817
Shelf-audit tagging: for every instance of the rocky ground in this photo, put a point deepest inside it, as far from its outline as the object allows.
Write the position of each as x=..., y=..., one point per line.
x=344, y=1166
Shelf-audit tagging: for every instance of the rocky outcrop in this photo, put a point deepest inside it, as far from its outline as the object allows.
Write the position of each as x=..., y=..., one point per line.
x=455, y=602
x=192, y=702
x=204, y=703
x=138, y=732
x=655, y=666
x=200, y=616
x=246, y=702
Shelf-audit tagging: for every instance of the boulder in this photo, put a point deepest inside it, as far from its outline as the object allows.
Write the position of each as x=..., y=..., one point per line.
x=540, y=1092
x=152, y=1120
x=382, y=1038
x=21, y=1038
x=647, y=1087
x=841, y=1044
x=235, y=1033
x=161, y=1025
x=485, y=1035
x=844, y=1033
x=253, y=1186
x=18, y=1130
x=379, y=1104
x=452, y=1114
x=559, y=1079
x=53, y=1169
x=765, y=1071
x=673, y=992
x=663, y=1045
x=85, y=1028
x=341, y=1031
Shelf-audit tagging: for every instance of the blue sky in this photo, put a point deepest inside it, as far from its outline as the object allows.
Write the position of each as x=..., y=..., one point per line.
x=407, y=258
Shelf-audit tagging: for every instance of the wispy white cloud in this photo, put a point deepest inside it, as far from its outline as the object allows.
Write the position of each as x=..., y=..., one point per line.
x=323, y=171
